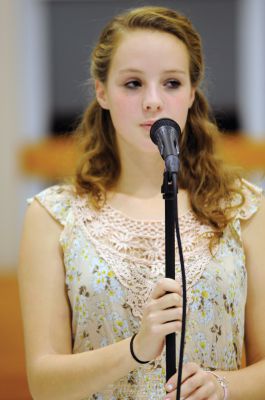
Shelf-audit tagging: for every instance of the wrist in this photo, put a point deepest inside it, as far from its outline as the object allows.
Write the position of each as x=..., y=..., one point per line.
x=223, y=384
x=134, y=350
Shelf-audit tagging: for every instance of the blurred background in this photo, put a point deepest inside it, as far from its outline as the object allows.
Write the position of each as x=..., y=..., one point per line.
x=44, y=80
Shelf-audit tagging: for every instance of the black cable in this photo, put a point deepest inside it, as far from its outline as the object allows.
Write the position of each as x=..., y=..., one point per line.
x=184, y=293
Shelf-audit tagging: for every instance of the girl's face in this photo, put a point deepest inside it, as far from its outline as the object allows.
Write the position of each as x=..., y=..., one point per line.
x=148, y=79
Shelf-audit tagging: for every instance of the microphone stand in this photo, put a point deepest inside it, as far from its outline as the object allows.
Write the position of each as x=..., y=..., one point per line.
x=164, y=133
x=170, y=214
x=170, y=191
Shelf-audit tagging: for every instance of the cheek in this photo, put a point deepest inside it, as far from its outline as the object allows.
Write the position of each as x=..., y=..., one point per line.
x=122, y=106
x=179, y=108
x=182, y=100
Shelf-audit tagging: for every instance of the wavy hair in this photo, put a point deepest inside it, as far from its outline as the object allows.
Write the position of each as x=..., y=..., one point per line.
x=206, y=179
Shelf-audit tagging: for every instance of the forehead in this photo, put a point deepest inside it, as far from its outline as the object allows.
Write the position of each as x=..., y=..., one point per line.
x=144, y=48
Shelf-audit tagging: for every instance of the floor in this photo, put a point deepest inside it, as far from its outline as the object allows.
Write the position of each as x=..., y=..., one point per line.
x=13, y=382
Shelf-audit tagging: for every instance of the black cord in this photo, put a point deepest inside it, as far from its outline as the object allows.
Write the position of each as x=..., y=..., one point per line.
x=184, y=293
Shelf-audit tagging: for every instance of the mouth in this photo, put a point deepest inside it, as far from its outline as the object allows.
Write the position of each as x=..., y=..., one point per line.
x=147, y=124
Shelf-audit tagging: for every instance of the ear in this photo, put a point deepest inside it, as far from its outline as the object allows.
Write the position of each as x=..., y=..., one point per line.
x=192, y=96
x=101, y=94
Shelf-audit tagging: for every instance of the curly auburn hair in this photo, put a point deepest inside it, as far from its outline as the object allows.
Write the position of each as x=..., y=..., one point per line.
x=206, y=179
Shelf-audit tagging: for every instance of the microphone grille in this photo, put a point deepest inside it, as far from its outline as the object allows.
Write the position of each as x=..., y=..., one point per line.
x=163, y=122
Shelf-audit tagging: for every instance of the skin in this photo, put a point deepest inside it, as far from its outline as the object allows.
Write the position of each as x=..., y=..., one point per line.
x=140, y=89
x=53, y=371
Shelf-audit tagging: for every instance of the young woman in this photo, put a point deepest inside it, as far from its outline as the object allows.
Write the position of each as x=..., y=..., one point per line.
x=91, y=270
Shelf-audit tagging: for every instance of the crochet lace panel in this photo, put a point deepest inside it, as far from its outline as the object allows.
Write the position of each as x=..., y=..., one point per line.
x=134, y=249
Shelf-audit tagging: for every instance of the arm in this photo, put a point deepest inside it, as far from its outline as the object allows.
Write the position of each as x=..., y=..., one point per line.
x=53, y=371
x=246, y=383
x=250, y=380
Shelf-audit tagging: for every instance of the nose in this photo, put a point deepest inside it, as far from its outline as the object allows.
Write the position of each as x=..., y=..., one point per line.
x=152, y=100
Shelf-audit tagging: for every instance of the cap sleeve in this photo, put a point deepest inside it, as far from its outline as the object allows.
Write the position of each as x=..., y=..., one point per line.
x=253, y=196
x=57, y=201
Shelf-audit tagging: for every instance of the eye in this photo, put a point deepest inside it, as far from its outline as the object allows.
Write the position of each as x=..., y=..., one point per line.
x=172, y=84
x=133, y=84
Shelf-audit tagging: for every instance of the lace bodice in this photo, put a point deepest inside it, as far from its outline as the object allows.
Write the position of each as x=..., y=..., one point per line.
x=112, y=263
x=135, y=249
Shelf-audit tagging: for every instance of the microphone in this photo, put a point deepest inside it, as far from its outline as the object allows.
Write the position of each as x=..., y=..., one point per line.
x=164, y=133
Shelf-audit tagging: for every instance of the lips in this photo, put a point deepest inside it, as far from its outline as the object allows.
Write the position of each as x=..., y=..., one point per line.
x=148, y=123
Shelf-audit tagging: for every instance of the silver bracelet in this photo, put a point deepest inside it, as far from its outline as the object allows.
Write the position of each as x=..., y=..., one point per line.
x=223, y=382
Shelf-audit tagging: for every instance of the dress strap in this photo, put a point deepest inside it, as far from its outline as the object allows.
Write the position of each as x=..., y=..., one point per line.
x=57, y=201
x=253, y=196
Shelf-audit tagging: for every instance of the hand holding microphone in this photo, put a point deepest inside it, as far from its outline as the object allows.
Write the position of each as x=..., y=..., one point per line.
x=162, y=316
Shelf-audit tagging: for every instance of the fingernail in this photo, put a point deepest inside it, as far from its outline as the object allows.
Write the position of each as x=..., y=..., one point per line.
x=169, y=387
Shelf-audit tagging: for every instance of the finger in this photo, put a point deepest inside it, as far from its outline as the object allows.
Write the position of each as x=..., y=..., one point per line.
x=169, y=327
x=169, y=300
x=165, y=285
x=200, y=394
x=194, y=383
x=206, y=391
x=189, y=370
x=171, y=396
x=171, y=384
x=173, y=314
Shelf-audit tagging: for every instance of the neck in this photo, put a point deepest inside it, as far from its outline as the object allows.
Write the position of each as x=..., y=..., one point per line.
x=141, y=174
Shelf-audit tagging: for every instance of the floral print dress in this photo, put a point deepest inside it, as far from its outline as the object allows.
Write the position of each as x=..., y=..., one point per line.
x=111, y=265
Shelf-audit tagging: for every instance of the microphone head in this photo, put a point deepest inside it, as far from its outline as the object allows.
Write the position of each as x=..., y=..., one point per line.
x=163, y=122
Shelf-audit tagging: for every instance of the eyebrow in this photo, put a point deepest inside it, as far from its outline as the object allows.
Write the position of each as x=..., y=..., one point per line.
x=135, y=70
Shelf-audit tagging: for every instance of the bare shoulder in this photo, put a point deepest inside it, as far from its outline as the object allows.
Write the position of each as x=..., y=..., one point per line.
x=36, y=215
x=40, y=236
x=253, y=229
x=41, y=277
x=39, y=241
x=253, y=232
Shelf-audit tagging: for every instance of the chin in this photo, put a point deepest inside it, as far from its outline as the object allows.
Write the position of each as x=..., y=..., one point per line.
x=150, y=148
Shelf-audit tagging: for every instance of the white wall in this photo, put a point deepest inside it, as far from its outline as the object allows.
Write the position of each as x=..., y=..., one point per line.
x=23, y=112
x=251, y=62
x=25, y=94
x=251, y=76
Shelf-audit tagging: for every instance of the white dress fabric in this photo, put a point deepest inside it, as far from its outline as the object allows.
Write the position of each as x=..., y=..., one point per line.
x=111, y=265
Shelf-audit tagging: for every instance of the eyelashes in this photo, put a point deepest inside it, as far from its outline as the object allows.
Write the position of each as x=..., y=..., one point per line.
x=133, y=84
x=173, y=84
x=169, y=84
